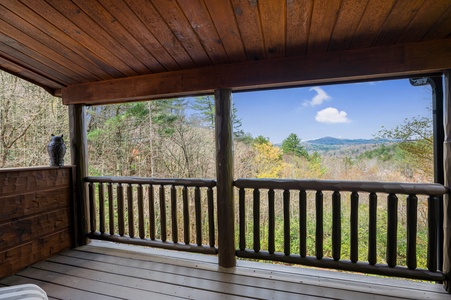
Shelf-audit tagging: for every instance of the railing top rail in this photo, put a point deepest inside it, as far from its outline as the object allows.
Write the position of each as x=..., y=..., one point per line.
x=155, y=181
x=433, y=189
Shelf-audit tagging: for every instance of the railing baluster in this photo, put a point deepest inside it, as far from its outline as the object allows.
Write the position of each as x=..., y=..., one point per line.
x=92, y=207
x=336, y=226
x=141, y=227
x=256, y=220
x=303, y=223
x=198, y=216
x=319, y=225
x=392, y=230
x=286, y=223
x=175, y=235
x=151, y=199
x=163, y=214
x=272, y=222
x=372, y=229
x=432, y=233
x=131, y=217
x=354, y=227
x=120, y=209
x=412, y=207
x=242, y=213
x=211, y=217
x=101, y=209
x=127, y=212
x=111, y=208
x=186, y=227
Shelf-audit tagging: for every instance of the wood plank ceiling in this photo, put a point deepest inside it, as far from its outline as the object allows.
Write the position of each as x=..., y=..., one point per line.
x=75, y=44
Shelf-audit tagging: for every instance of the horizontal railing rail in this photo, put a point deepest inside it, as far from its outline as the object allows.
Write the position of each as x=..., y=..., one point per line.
x=148, y=212
x=315, y=193
x=433, y=189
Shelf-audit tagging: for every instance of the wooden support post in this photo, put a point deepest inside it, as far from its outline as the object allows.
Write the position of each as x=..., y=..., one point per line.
x=438, y=129
x=79, y=158
x=224, y=175
x=447, y=198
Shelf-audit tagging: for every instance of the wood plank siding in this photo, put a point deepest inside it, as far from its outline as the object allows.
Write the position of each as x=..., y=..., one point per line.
x=63, y=45
x=110, y=271
x=35, y=215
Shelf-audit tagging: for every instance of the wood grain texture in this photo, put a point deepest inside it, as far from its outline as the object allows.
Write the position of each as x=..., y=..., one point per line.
x=156, y=25
x=248, y=20
x=47, y=56
x=35, y=215
x=223, y=17
x=109, y=23
x=41, y=32
x=348, y=19
x=73, y=42
x=338, y=66
x=123, y=13
x=21, y=54
x=182, y=30
x=28, y=203
x=416, y=30
x=442, y=26
x=82, y=26
x=50, y=31
x=200, y=20
x=324, y=17
x=79, y=157
x=374, y=16
x=75, y=36
x=274, y=26
x=350, y=186
x=400, y=17
x=109, y=271
x=224, y=174
x=299, y=15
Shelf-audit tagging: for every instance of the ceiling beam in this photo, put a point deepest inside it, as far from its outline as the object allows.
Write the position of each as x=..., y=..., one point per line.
x=325, y=68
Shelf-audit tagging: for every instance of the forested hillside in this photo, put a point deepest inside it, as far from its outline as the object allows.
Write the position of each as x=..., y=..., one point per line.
x=175, y=138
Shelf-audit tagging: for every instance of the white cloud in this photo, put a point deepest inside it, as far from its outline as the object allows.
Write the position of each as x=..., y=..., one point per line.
x=331, y=115
x=318, y=99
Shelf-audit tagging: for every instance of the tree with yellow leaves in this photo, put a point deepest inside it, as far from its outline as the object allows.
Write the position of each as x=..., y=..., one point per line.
x=268, y=161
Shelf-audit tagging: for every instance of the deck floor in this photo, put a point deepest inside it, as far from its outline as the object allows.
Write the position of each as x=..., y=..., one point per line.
x=105, y=270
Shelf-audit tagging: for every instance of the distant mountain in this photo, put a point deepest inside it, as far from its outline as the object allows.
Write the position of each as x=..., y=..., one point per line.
x=343, y=147
x=331, y=141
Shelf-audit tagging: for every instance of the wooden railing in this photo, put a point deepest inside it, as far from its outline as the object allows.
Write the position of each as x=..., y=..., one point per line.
x=291, y=198
x=180, y=214
x=145, y=211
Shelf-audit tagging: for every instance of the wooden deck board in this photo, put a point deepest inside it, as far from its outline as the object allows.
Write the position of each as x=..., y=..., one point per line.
x=219, y=279
x=105, y=270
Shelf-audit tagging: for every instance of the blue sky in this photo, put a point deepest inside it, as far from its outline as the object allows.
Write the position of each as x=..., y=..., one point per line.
x=357, y=110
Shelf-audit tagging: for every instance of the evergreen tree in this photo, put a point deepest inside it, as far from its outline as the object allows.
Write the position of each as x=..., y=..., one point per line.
x=205, y=105
x=292, y=145
x=261, y=140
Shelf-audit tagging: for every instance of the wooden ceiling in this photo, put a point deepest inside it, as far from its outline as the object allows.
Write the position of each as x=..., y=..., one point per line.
x=121, y=50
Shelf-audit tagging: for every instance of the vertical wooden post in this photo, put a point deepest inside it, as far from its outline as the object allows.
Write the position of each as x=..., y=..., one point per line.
x=224, y=175
x=447, y=173
x=79, y=158
x=436, y=84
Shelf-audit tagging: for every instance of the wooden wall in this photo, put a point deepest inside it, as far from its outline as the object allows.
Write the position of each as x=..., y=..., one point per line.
x=35, y=215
